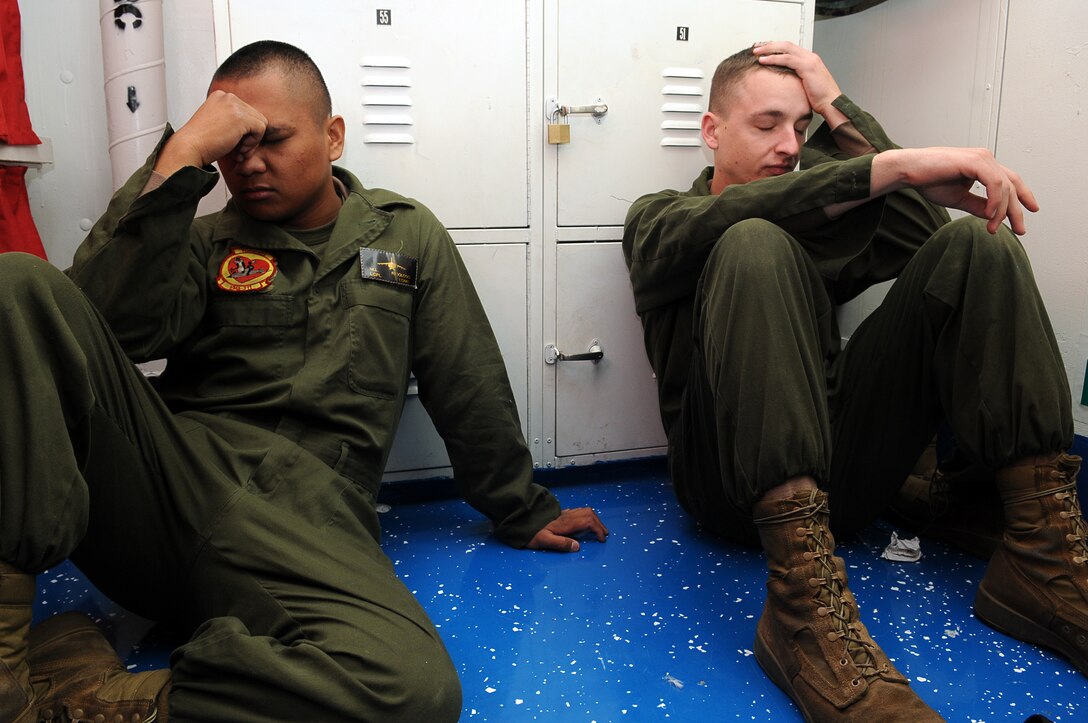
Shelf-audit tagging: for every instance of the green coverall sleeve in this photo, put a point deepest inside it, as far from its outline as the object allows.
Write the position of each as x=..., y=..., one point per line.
x=865, y=125
x=141, y=264
x=465, y=389
x=668, y=235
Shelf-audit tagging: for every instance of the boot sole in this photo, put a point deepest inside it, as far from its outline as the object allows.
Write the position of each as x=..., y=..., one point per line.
x=774, y=671
x=1001, y=617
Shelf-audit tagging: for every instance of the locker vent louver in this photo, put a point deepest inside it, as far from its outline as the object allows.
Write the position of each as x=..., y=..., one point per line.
x=387, y=100
x=682, y=108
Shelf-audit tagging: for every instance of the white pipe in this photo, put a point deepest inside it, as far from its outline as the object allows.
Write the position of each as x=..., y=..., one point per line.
x=134, y=68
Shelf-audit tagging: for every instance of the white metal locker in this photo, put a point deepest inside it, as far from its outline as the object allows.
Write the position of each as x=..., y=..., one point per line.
x=433, y=94
x=447, y=102
x=651, y=64
x=609, y=405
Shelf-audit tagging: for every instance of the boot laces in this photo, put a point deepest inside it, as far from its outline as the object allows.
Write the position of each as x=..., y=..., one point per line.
x=1065, y=474
x=831, y=595
x=938, y=495
x=1078, y=538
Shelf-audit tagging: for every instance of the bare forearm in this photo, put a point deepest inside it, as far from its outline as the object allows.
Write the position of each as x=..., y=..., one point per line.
x=945, y=177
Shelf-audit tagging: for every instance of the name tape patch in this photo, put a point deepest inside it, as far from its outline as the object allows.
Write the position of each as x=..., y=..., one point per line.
x=388, y=267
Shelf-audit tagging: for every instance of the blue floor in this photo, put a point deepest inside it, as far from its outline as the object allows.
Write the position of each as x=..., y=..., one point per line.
x=657, y=623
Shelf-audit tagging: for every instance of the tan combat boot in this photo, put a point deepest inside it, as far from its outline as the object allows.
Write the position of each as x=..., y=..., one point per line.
x=16, y=609
x=810, y=639
x=76, y=676
x=957, y=504
x=1036, y=585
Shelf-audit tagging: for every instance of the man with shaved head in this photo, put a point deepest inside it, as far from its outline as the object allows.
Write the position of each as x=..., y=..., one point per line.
x=236, y=499
x=779, y=435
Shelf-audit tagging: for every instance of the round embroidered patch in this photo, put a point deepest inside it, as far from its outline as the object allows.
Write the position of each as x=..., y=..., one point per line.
x=246, y=270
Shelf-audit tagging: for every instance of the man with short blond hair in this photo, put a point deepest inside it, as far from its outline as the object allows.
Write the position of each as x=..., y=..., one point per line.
x=778, y=435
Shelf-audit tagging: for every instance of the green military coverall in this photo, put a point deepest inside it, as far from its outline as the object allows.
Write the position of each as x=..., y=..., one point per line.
x=237, y=500
x=737, y=295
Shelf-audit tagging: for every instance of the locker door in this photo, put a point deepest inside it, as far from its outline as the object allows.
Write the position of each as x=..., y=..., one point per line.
x=651, y=63
x=608, y=405
x=429, y=112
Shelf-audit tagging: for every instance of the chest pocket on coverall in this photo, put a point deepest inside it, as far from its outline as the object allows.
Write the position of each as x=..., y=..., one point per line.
x=379, y=322
x=246, y=345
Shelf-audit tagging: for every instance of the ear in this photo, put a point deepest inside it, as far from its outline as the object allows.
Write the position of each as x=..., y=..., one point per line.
x=710, y=127
x=334, y=131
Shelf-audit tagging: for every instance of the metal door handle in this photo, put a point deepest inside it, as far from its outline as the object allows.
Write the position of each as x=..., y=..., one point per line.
x=594, y=354
x=553, y=109
x=596, y=110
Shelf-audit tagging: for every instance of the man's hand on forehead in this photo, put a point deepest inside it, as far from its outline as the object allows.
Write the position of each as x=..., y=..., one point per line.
x=223, y=124
x=820, y=87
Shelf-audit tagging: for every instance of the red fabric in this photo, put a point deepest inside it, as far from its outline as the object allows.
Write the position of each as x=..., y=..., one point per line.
x=14, y=118
x=17, y=231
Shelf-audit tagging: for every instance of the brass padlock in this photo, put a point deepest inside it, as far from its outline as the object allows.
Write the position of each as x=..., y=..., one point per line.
x=558, y=133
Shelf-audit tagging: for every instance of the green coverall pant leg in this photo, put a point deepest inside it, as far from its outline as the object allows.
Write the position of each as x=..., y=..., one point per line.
x=211, y=525
x=962, y=334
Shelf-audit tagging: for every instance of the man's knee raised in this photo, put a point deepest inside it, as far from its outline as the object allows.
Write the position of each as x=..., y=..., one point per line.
x=20, y=272
x=753, y=246
x=968, y=237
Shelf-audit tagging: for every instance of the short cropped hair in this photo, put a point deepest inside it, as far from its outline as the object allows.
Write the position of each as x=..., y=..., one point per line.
x=730, y=72
x=255, y=58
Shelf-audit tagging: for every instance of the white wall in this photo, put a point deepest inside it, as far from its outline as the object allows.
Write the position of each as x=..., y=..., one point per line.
x=1042, y=129
x=62, y=62
x=1006, y=74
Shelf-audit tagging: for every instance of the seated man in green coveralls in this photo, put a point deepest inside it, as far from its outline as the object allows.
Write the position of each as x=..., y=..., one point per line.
x=237, y=501
x=771, y=424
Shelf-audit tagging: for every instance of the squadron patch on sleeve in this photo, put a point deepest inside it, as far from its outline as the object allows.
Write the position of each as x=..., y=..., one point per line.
x=246, y=270
x=388, y=267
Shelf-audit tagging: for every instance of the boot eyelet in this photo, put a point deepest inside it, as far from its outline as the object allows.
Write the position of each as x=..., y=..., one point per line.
x=843, y=662
x=1066, y=630
x=855, y=682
